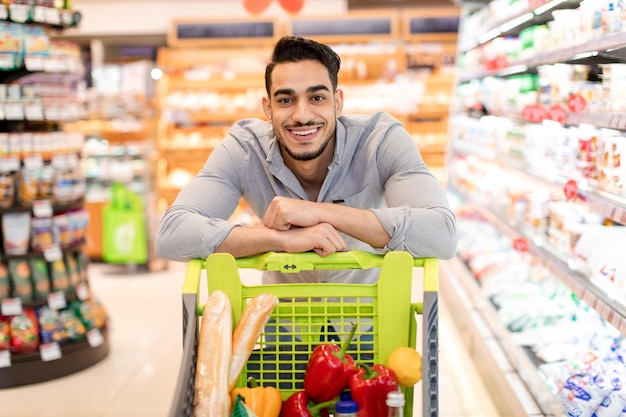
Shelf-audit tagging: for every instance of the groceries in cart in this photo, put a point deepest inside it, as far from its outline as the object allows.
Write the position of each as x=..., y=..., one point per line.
x=331, y=374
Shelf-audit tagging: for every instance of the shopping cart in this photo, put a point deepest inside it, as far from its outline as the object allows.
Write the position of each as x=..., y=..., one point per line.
x=383, y=312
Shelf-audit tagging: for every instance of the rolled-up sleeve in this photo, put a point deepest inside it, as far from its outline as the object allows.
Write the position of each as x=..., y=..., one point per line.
x=418, y=217
x=197, y=222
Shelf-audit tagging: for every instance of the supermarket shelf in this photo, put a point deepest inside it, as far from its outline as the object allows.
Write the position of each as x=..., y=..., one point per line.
x=499, y=362
x=570, y=271
x=514, y=24
x=608, y=47
x=30, y=369
x=607, y=204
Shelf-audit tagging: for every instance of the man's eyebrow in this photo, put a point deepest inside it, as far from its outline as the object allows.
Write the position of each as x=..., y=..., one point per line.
x=290, y=91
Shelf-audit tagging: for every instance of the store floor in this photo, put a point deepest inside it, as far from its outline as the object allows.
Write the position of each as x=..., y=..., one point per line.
x=138, y=377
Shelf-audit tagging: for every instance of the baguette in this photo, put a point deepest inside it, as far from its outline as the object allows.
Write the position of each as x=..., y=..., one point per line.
x=212, y=397
x=254, y=317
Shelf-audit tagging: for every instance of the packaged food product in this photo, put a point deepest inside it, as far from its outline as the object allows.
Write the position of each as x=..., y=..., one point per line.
x=62, y=230
x=5, y=282
x=51, y=329
x=21, y=281
x=5, y=333
x=42, y=236
x=72, y=268
x=24, y=331
x=75, y=328
x=58, y=275
x=41, y=277
x=7, y=189
x=16, y=232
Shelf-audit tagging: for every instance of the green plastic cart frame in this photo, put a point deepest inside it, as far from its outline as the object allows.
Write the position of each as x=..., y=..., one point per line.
x=306, y=311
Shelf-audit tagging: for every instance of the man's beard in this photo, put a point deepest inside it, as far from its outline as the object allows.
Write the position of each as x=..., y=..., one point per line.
x=304, y=156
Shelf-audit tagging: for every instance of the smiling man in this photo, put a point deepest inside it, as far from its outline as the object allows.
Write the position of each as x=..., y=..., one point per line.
x=319, y=180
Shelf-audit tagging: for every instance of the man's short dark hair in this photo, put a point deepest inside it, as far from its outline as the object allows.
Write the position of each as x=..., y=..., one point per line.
x=296, y=48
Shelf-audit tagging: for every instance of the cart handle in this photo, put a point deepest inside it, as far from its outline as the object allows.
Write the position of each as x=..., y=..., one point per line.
x=307, y=261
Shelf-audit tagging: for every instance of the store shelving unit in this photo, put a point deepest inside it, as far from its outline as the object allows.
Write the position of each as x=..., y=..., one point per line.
x=518, y=365
x=214, y=70
x=39, y=84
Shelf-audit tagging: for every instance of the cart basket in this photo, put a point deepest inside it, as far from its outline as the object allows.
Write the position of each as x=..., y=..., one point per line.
x=312, y=313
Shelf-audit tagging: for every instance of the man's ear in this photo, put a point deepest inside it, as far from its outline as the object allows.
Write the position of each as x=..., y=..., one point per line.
x=338, y=101
x=267, y=109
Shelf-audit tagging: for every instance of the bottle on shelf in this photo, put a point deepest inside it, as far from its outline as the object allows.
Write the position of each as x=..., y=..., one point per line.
x=346, y=408
x=395, y=404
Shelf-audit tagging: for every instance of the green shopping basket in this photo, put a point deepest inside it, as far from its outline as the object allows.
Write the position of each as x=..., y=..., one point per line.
x=312, y=313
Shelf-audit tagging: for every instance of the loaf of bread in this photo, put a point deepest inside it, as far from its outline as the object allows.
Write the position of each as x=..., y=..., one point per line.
x=254, y=317
x=212, y=397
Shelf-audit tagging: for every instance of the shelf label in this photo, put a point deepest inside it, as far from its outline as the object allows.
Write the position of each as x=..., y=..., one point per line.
x=5, y=358
x=82, y=291
x=95, y=337
x=53, y=17
x=39, y=14
x=14, y=111
x=570, y=189
x=33, y=161
x=533, y=113
x=557, y=113
x=576, y=103
x=20, y=13
x=11, y=306
x=42, y=208
x=520, y=244
x=33, y=112
x=9, y=164
x=57, y=300
x=53, y=253
x=50, y=351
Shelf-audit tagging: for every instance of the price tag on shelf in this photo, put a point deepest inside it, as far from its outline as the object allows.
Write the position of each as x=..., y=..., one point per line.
x=67, y=17
x=33, y=63
x=52, y=113
x=82, y=291
x=533, y=113
x=52, y=16
x=42, y=208
x=95, y=337
x=557, y=113
x=5, y=358
x=33, y=111
x=14, y=111
x=53, y=253
x=520, y=244
x=50, y=351
x=39, y=14
x=11, y=306
x=9, y=164
x=57, y=300
x=570, y=190
x=33, y=161
x=576, y=103
x=20, y=13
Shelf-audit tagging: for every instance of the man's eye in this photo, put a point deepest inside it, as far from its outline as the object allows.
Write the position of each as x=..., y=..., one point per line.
x=318, y=98
x=284, y=100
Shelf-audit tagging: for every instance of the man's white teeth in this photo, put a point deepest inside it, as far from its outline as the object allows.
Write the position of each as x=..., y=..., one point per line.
x=304, y=133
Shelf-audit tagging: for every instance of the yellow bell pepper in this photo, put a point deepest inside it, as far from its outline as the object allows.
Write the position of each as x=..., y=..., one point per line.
x=264, y=401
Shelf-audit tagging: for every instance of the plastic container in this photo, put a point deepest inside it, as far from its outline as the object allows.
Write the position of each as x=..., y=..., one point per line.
x=346, y=409
x=395, y=403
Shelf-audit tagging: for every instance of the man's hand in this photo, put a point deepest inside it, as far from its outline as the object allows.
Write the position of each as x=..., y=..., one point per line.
x=284, y=212
x=322, y=238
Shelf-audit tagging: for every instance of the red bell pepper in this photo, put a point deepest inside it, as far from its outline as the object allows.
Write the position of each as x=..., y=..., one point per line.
x=369, y=388
x=300, y=405
x=329, y=370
